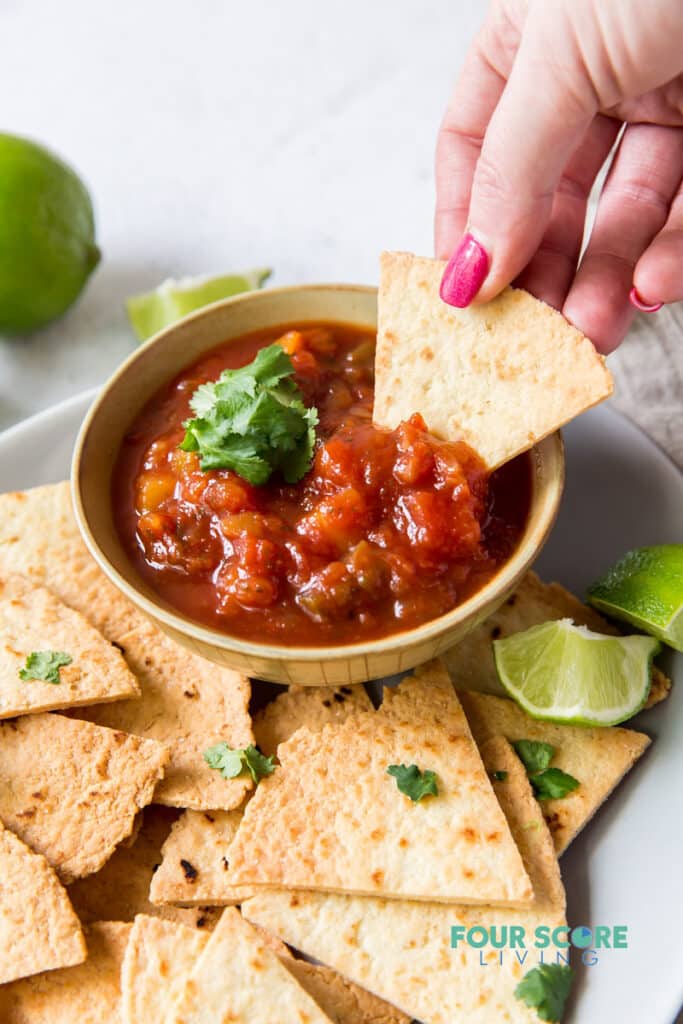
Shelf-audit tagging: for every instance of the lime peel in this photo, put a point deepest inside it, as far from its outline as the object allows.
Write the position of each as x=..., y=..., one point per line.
x=645, y=589
x=173, y=299
x=47, y=236
x=561, y=672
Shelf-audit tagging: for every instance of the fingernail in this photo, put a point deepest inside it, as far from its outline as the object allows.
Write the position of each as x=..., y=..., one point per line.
x=464, y=273
x=636, y=301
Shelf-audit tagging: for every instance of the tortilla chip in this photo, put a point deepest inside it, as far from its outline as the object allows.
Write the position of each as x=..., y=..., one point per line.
x=86, y=994
x=187, y=702
x=471, y=662
x=237, y=977
x=400, y=950
x=331, y=818
x=39, y=539
x=340, y=999
x=38, y=928
x=33, y=619
x=120, y=889
x=156, y=966
x=276, y=945
x=500, y=376
x=598, y=758
x=71, y=790
x=194, y=869
x=194, y=865
x=312, y=706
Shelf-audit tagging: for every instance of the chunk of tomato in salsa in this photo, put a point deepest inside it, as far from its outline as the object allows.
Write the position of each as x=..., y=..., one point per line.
x=387, y=530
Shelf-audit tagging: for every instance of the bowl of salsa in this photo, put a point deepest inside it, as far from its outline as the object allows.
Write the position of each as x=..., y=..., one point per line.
x=231, y=482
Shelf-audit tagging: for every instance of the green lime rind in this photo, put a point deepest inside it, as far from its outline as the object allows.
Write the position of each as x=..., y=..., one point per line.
x=152, y=311
x=645, y=589
x=562, y=673
x=47, y=236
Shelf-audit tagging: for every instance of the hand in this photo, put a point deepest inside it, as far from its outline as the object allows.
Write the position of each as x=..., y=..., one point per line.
x=543, y=94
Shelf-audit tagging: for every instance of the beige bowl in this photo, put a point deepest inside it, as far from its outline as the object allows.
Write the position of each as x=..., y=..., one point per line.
x=159, y=361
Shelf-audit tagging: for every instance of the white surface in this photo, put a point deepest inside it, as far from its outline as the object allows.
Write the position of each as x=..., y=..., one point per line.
x=625, y=867
x=217, y=135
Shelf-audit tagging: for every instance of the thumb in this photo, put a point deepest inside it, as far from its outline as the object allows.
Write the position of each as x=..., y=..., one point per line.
x=540, y=119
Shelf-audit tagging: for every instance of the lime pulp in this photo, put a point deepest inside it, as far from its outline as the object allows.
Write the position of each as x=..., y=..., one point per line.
x=565, y=673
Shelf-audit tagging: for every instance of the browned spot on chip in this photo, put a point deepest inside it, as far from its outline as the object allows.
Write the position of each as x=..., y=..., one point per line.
x=189, y=870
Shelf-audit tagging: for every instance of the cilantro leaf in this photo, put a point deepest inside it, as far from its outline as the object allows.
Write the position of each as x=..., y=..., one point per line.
x=500, y=776
x=535, y=756
x=257, y=764
x=546, y=989
x=253, y=421
x=231, y=762
x=44, y=665
x=553, y=784
x=413, y=782
x=548, y=783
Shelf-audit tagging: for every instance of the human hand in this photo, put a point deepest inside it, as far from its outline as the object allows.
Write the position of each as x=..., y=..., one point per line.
x=542, y=96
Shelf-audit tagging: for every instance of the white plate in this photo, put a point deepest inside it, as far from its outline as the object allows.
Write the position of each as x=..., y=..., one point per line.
x=627, y=866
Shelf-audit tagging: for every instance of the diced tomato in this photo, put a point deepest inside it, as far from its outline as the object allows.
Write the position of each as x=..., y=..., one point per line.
x=335, y=523
x=306, y=365
x=227, y=492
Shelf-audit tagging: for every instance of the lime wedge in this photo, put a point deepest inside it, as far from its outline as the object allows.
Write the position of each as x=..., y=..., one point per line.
x=566, y=673
x=645, y=588
x=150, y=312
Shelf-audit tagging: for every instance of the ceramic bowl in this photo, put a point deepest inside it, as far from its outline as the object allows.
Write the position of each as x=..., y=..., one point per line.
x=156, y=363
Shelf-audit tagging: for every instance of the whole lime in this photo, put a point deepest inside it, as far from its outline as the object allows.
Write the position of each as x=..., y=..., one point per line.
x=47, y=235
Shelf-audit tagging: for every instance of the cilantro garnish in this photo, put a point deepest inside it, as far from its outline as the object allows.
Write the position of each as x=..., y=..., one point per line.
x=548, y=783
x=232, y=762
x=253, y=421
x=500, y=776
x=413, y=782
x=44, y=665
x=553, y=784
x=546, y=989
x=535, y=756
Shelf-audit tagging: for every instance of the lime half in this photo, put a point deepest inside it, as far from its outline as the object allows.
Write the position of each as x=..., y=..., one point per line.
x=150, y=312
x=567, y=673
x=645, y=588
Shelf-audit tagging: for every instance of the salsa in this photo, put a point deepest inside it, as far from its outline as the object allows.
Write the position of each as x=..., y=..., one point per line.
x=387, y=530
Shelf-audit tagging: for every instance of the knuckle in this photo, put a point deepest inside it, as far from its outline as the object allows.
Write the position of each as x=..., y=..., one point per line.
x=490, y=181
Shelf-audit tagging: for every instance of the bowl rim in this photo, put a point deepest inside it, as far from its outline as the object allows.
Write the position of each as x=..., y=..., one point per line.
x=503, y=580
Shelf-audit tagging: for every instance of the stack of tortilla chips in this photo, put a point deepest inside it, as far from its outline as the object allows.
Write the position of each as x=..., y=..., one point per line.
x=120, y=846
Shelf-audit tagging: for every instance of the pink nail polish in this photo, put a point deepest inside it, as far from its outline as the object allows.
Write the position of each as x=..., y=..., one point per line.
x=464, y=273
x=635, y=300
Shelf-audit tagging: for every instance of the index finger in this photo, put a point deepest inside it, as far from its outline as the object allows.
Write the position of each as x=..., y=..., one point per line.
x=461, y=135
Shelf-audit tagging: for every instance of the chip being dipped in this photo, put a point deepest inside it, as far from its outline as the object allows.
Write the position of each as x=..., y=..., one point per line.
x=500, y=376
